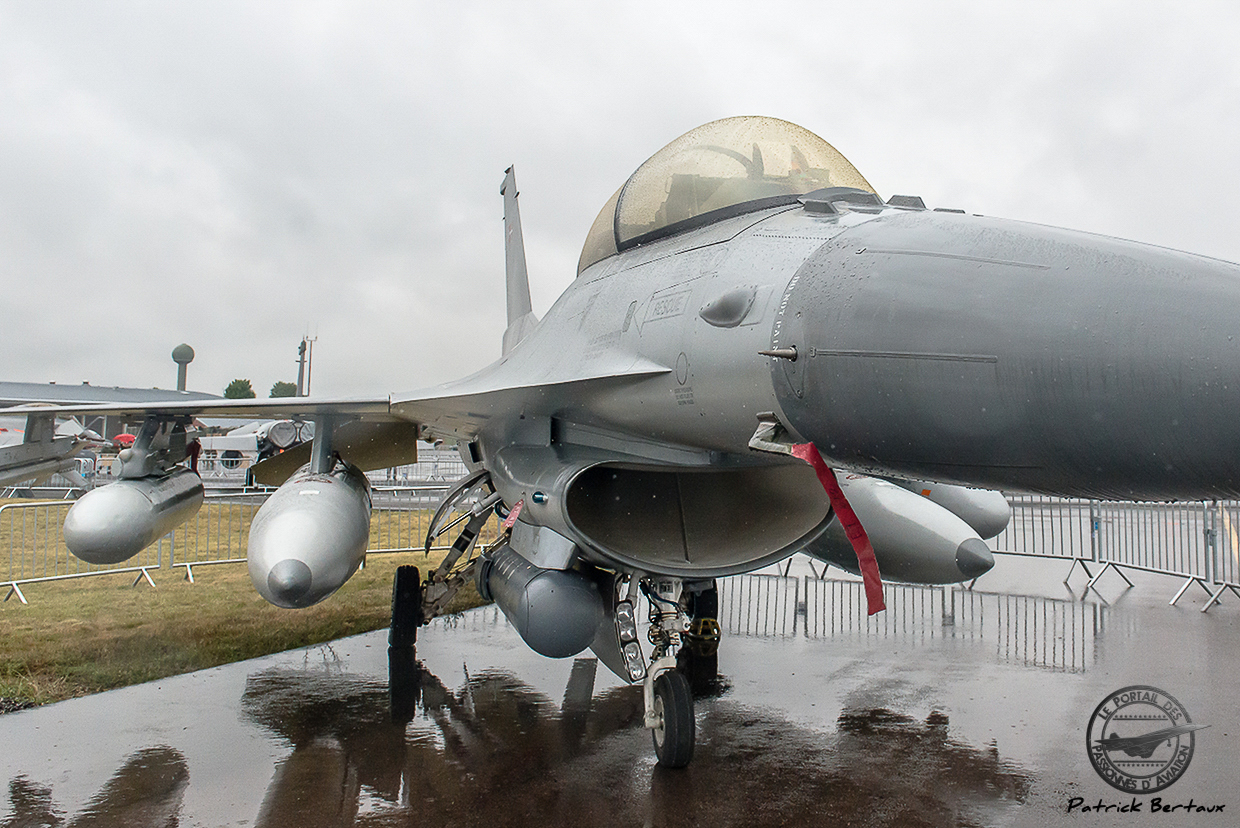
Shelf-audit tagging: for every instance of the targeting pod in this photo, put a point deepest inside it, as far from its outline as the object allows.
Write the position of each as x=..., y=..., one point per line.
x=310, y=536
x=914, y=539
x=556, y=612
x=117, y=521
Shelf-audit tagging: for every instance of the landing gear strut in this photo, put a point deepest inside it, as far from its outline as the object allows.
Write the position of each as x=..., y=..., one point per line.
x=414, y=601
x=669, y=700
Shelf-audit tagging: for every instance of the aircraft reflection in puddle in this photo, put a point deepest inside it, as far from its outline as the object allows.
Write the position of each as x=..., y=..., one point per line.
x=145, y=791
x=1051, y=633
x=351, y=748
x=368, y=750
x=355, y=756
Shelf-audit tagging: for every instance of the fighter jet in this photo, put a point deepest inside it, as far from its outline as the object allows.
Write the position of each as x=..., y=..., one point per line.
x=1144, y=746
x=748, y=317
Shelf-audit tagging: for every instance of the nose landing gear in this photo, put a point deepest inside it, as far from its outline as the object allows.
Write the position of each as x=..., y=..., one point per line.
x=676, y=640
x=669, y=702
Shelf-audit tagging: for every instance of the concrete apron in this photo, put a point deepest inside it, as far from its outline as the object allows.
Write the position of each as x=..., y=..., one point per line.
x=972, y=711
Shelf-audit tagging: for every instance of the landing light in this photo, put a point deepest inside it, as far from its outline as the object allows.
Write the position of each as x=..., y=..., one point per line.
x=634, y=661
x=626, y=623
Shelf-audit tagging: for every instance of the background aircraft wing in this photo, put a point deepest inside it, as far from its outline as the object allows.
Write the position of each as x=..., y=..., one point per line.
x=277, y=409
x=365, y=431
x=381, y=432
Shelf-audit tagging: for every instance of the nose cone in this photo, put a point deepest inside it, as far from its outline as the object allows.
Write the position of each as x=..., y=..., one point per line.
x=108, y=525
x=308, y=538
x=289, y=582
x=973, y=558
x=1006, y=355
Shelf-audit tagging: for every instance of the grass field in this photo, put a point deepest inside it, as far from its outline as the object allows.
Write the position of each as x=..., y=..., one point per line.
x=86, y=635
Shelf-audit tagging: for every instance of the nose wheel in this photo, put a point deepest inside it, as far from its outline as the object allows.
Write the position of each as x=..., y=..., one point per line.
x=668, y=698
x=674, y=735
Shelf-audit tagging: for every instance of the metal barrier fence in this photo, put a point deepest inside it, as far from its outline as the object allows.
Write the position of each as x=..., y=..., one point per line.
x=36, y=550
x=1055, y=634
x=32, y=542
x=759, y=605
x=1049, y=527
x=1196, y=541
x=1199, y=542
x=398, y=523
x=1227, y=546
x=216, y=534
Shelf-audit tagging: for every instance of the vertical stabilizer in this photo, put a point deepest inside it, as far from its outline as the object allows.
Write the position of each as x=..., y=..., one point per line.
x=521, y=318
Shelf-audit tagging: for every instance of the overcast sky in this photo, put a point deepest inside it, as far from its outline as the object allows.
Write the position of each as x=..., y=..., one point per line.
x=234, y=175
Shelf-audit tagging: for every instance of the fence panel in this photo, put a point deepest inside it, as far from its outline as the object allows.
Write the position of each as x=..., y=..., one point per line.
x=1169, y=538
x=1037, y=632
x=1055, y=634
x=1226, y=559
x=1049, y=527
x=216, y=534
x=837, y=607
x=398, y=523
x=32, y=543
x=759, y=605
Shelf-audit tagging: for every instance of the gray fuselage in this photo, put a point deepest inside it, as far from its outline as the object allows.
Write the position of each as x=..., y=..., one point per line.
x=936, y=345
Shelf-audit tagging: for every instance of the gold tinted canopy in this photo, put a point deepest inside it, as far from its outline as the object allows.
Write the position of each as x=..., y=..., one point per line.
x=721, y=169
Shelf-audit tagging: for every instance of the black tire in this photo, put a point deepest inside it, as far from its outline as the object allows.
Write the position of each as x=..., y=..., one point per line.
x=699, y=658
x=406, y=607
x=705, y=604
x=674, y=737
x=404, y=683
x=701, y=671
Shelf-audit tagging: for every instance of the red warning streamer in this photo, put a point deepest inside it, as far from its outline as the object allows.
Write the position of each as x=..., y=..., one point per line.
x=852, y=526
x=511, y=520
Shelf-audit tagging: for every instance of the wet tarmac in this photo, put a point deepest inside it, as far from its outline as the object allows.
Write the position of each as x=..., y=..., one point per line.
x=952, y=708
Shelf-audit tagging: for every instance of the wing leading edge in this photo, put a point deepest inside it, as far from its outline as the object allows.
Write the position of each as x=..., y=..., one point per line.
x=377, y=433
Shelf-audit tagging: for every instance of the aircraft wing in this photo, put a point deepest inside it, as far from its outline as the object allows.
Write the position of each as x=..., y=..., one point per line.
x=376, y=433
x=280, y=408
x=37, y=461
x=459, y=409
x=41, y=450
x=453, y=409
x=366, y=431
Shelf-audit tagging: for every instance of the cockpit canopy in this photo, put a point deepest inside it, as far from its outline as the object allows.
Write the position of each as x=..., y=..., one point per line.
x=721, y=169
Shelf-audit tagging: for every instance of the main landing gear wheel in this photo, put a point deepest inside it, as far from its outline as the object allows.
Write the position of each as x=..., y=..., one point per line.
x=674, y=735
x=698, y=659
x=406, y=607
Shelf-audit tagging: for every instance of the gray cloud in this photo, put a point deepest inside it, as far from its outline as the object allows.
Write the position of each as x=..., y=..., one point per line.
x=233, y=175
